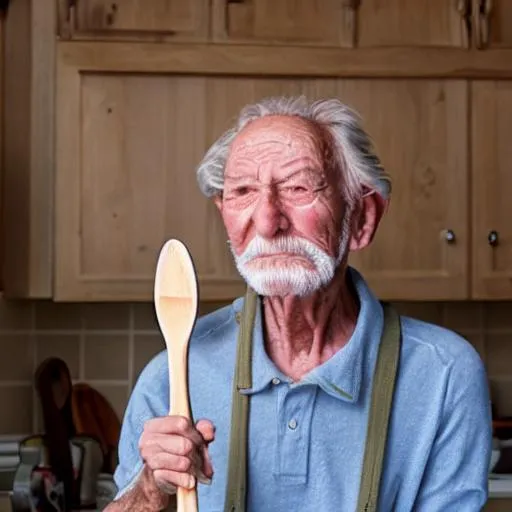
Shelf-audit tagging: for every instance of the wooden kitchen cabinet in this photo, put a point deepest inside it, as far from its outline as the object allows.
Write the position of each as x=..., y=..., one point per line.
x=135, y=19
x=105, y=125
x=293, y=22
x=492, y=182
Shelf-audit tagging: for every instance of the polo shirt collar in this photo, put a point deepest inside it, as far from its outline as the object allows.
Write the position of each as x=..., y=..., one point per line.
x=341, y=375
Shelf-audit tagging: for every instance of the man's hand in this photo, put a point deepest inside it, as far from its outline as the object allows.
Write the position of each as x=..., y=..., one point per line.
x=176, y=452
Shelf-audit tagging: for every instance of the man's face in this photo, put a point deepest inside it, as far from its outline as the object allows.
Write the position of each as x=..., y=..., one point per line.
x=282, y=207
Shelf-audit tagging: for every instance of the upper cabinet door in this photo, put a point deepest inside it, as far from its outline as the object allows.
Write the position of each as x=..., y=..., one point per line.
x=293, y=22
x=420, y=132
x=439, y=23
x=492, y=20
x=492, y=183
x=127, y=148
x=135, y=19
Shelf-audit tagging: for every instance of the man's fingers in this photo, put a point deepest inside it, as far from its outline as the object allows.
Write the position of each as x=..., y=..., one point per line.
x=172, y=462
x=206, y=429
x=172, y=445
x=166, y=478
x=190, y=433
x=173, y=425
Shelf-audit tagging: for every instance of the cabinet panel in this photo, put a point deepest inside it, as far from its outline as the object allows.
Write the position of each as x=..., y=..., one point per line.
x=311, y=22
x=492, y=183
x=419, y=129
x=128, y=145
x=126, y=183
x=135, y=19
x=412, y=23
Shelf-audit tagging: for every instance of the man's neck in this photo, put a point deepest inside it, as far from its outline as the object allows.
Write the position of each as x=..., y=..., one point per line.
x=302, y=333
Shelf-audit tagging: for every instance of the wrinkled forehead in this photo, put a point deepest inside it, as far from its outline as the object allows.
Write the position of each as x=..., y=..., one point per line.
x=279, y=137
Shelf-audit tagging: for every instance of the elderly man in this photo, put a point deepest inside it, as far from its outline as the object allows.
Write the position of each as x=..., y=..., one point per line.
x=337, y=404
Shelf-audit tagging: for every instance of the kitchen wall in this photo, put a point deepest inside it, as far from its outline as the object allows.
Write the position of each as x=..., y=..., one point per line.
x=107, y=345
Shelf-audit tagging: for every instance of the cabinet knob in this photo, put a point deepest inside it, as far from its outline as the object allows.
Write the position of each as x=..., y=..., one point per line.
x=449, y=236
x=493, y=238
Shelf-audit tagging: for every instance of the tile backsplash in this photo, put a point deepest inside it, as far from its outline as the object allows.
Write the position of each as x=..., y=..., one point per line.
x=107, y=345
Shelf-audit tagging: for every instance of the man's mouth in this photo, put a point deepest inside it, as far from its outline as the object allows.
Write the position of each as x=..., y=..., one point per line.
x=280, y=259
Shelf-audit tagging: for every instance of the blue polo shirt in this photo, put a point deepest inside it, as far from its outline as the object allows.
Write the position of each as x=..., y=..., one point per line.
x=307, y=439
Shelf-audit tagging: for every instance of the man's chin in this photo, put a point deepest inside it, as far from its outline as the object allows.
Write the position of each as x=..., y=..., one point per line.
x=273, y=286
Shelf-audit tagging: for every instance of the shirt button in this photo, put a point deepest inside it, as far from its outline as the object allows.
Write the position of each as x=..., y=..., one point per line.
x=292, y=424
x=276, y=381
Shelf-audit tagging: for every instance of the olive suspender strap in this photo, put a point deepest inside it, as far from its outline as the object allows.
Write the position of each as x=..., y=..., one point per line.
x=382, y=397
x=237, y=469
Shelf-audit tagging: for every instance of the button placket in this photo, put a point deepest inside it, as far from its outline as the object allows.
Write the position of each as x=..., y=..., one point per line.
x=294, y=416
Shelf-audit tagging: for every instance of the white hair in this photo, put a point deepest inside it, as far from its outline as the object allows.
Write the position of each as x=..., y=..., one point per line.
x=352, y=147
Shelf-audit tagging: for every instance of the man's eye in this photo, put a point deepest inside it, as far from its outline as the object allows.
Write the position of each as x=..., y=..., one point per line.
x=241, y=191
x=297, y=189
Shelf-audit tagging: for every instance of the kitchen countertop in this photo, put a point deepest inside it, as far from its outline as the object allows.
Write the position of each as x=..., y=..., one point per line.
x=500, y=486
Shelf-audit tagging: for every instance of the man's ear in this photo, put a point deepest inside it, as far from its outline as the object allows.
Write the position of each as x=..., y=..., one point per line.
x=218, y=202
x=366, y=220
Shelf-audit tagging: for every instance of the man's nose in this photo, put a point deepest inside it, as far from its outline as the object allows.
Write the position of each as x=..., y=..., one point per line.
x=269, y=218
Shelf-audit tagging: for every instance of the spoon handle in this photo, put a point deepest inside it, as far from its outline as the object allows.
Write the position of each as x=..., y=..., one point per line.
x=187, y=500
x=178, y=379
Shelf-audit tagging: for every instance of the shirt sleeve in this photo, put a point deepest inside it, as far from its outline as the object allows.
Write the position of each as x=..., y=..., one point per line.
x=456, y=476
x=149, y=399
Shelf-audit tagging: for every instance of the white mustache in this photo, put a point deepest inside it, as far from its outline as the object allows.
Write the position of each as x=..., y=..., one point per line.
x=285, y=244
x=294, y=246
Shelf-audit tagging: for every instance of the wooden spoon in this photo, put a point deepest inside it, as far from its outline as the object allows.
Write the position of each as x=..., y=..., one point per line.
x=176, y=297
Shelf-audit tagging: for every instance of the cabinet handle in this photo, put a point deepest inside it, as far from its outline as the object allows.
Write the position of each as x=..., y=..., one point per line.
x=111, y=16
x=493, y=238
x=352, y=8
x=481, y=14
x=66, y=18
x=449, y=236
x=464, y=9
